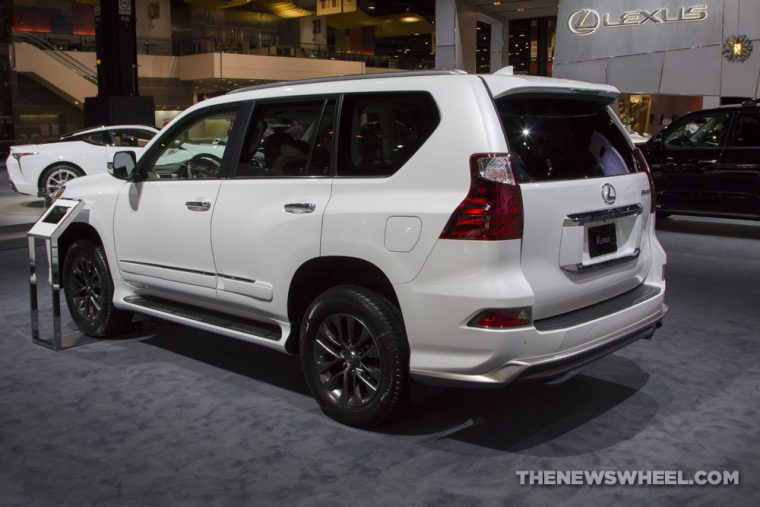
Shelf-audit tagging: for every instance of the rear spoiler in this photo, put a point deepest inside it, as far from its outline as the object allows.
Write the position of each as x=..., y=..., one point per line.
x=605, y=97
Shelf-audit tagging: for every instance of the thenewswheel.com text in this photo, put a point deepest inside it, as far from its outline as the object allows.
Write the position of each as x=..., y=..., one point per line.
x=628, y=478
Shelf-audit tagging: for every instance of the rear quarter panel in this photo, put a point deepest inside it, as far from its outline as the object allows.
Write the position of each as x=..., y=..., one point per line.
x=429, y=186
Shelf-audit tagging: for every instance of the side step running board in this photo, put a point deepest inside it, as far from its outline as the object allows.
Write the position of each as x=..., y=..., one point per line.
x=228, y=325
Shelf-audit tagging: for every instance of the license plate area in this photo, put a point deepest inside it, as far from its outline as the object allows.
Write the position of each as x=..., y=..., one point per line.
x=602, y=239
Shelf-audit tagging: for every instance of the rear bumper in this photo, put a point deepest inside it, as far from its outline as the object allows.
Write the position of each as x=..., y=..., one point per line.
x=542, y=367
x=557, y=365
x=16, y=178
x=552, y=346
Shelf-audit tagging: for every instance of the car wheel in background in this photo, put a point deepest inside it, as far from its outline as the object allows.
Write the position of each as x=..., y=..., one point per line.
x=55, y=177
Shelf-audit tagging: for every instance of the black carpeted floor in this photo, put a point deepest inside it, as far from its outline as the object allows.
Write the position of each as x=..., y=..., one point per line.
x=172, y=416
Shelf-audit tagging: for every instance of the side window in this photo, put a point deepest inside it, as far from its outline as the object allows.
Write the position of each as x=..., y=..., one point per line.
x=196, y=150
x=697, y=132
x=134, y=138
x=283, y=135
x=747, y=131
x=100, y=138
x=381, y=131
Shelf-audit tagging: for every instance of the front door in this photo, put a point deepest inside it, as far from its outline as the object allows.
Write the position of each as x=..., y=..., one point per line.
x=162, y=223
x=688, y=163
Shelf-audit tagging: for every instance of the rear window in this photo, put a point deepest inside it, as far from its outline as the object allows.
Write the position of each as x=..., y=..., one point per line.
x=560, y=139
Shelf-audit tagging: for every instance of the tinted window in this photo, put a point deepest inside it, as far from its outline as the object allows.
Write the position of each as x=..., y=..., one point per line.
x=747, y=131
x=131, y=137
x=99, y=138
x=195, y=151
x=561, y=139
x=379, y=133
x=702, y=131
x=281, y=138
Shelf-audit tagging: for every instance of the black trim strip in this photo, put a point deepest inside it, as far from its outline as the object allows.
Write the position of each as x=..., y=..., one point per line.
x=633, y=297
x=236, y=278
x=173, y=268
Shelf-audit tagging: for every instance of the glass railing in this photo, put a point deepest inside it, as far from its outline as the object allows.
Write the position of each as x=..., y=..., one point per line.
x=57, y=54
x=304, y=50
x=56, y=45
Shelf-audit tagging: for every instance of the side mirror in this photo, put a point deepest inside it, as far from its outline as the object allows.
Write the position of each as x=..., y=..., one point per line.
x=656, y=142
x=123, y=166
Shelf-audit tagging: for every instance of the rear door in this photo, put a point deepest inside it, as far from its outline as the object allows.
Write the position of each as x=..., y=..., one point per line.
x=268, y=217
x=586, y=201
x=740, y=166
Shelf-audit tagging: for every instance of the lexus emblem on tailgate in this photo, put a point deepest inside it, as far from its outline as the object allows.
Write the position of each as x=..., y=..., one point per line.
x=608, y=193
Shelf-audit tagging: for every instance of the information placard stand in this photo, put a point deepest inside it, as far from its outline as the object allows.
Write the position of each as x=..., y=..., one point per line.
x=49, y=228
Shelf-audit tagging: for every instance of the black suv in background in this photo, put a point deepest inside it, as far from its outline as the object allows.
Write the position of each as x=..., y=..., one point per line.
x=708, y=163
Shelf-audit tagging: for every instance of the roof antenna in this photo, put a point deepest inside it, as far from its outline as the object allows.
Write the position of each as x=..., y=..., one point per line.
x=505, y=71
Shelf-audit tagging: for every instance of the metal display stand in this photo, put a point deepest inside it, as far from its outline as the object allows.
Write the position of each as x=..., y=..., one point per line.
x=49, y=228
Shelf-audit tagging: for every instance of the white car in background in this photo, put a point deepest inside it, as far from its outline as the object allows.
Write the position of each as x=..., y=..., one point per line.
x=42, y=169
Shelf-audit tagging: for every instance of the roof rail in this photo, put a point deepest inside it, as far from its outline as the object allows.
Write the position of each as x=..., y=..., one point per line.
x=349, y=77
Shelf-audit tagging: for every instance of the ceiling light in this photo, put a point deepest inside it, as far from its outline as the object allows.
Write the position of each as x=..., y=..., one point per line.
x=409, y=19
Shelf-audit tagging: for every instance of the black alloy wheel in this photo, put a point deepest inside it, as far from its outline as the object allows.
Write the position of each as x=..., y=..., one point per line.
x=347, y=360
x=355, y=356
x=88, y=288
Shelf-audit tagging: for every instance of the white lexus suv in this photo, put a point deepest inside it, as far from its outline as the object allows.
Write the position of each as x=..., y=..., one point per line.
x=460, y=229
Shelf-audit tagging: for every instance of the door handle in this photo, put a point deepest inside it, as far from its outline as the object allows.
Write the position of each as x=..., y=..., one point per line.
x=204, y=205
x=299, y=208
x=707, y=162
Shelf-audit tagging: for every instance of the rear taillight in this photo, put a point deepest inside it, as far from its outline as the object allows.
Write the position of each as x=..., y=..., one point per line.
x=18, y=154
x=501, y=318
x=492, y=209
x=643, y=163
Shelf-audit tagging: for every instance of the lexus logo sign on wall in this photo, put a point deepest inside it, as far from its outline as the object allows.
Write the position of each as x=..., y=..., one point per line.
x=587, y=21
x=584, y=22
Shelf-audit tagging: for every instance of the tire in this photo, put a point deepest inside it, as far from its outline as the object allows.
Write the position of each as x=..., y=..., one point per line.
x=55, y=177
x=88, y=288
x=355, y=356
